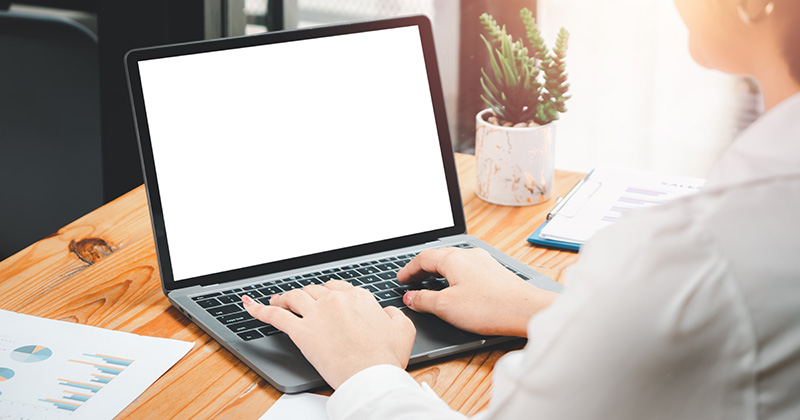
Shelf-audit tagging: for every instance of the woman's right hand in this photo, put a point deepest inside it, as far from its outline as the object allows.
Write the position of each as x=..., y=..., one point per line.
x=483, y=297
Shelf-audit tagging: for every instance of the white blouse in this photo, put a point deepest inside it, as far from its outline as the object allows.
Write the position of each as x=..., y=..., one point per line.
x=688, y=310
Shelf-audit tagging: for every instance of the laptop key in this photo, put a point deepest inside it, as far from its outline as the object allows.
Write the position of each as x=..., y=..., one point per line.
x=437, y=284
x=290, y=286
x=264, y=300
x=250, y=335
x=387, y=275
x=372, y=278
x=210, y=295
x=367, y=270
x=415, y=286
x=229, y=299
x=271, y=290
x=387, y=267
x=234, y=318
x=268, y=330
x=398, y=302
x=385, y=285
x=326, y=277
x=401, y=290
x=252, y=293
x=246, y=325
x=223, y=310
x=387, y=294
x=354, y=282
x=208, y=303
x=349, y=274
x=370, y=288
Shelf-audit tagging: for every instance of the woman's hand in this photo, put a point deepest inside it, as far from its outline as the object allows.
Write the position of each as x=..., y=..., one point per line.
x=341, y=329
x=483, y=296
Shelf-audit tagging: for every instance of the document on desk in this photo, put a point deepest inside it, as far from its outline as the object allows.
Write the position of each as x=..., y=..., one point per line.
x=298, y=406
x=60, y=370
x=609, y=192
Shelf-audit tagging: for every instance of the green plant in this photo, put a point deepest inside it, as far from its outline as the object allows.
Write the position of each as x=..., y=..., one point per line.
x=526, y=83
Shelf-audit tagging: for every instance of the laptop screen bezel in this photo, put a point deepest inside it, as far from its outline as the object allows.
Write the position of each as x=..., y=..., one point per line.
x=132, y=60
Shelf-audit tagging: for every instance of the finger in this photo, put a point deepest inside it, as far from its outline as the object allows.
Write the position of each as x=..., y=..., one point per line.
x=395, y=314
x=422, y=300
x=423, y=265
x=297, y=301
x=279, y=317
x=338, y=285
x=316, y=291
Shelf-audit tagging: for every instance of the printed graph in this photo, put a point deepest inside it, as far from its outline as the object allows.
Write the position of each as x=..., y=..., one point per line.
x=634, y=198
x=31, y=354
x=64, y=405
x=100, y=370
x=6, y=374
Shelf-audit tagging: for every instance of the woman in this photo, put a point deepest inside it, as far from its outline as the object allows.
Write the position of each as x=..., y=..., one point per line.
x=686, y=310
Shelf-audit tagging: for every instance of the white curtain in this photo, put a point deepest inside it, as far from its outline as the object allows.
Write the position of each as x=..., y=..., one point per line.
x=639, y=99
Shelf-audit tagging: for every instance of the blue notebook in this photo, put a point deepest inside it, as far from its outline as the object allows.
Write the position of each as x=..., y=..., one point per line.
x=536, y=239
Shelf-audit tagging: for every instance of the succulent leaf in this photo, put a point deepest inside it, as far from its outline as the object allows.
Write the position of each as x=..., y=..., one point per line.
x=526, y=82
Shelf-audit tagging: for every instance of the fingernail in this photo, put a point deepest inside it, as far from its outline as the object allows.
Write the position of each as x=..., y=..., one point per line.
x=408, y=296
x=247, y=300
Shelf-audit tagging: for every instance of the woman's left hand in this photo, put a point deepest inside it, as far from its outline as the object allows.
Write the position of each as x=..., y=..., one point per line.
x=341, y=329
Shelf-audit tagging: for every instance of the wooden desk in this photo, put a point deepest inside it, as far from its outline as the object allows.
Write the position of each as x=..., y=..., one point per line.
x=101, y=270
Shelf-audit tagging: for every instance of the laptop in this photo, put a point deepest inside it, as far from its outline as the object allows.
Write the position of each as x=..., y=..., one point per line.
x=280, y=160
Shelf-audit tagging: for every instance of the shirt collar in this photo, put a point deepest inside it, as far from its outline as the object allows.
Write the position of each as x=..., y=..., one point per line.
x=770, y=147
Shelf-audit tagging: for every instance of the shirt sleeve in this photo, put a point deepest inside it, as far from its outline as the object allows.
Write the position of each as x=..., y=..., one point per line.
x=648, y=326
x=387, y=392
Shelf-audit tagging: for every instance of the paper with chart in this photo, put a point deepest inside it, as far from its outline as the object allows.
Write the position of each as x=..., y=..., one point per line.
x=61, y=370
x=608, y=193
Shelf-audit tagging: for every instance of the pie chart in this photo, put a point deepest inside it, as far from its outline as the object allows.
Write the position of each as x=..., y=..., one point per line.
x=31, y=354
x=6, y=374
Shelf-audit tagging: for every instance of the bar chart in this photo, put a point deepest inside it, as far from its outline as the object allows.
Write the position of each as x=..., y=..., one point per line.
x=633, y=198
x=59, y=370
x=97, y=371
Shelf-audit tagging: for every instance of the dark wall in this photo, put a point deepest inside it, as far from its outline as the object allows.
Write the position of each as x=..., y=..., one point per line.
x=122, y=26
x=473, y=54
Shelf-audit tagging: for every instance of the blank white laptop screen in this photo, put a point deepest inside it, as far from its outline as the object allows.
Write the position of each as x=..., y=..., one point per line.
x=277, y=151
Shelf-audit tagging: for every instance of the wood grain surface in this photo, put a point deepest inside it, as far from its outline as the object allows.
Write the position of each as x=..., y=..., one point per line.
x=101, y=270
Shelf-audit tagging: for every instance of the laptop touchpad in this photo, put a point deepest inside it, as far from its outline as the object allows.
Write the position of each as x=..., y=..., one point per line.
x=433, y=334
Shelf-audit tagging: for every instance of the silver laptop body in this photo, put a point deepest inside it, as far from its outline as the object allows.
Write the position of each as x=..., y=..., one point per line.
x=279, y=160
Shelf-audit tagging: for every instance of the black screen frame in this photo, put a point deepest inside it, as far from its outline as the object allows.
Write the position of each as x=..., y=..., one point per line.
x=168, y=282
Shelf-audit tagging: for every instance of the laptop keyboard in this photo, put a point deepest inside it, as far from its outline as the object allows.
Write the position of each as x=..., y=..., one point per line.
x=378, y=276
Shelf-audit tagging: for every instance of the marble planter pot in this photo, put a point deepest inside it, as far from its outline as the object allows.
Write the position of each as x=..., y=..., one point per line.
x=515, y=164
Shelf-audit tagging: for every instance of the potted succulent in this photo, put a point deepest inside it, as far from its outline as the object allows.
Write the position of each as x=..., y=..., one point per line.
x=525, y=88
